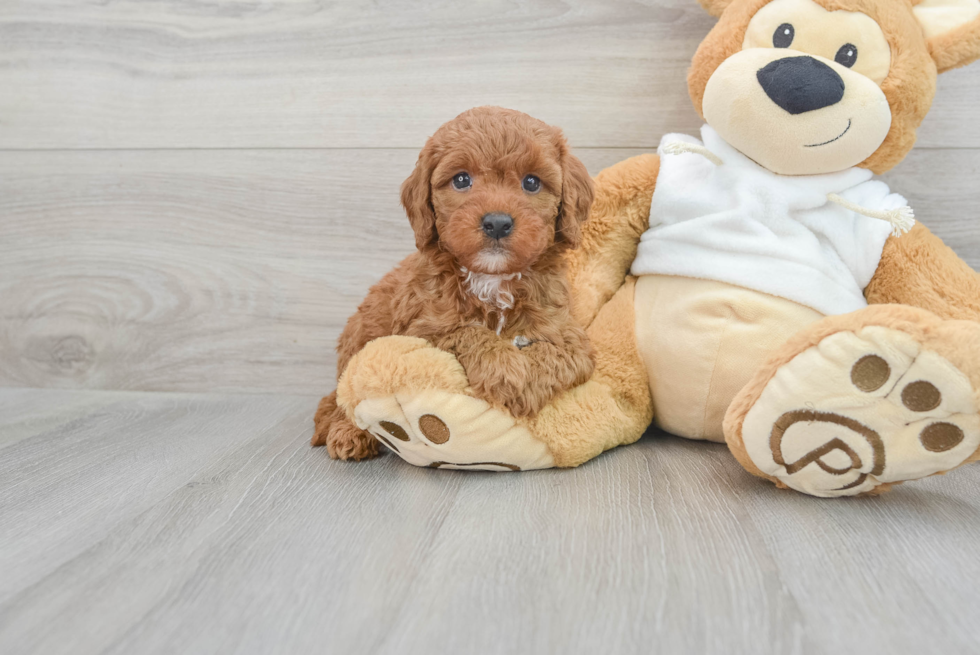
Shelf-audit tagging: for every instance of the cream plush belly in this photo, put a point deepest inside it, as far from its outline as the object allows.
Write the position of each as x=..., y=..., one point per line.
x=702, y=341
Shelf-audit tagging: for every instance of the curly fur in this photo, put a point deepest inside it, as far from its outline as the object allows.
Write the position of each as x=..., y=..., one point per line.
x=470, y=295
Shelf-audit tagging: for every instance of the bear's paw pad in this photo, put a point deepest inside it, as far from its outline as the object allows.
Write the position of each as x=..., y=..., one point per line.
x=859, y=410
x=444, y=430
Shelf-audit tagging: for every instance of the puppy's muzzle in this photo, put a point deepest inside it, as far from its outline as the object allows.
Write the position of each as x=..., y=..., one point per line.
x=498, y=226
x=801, y=84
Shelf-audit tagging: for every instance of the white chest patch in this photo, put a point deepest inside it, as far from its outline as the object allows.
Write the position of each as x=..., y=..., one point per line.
x=491, y=289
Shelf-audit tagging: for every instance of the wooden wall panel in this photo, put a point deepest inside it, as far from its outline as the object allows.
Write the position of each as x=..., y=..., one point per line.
x=193, y=270
x=360, y=73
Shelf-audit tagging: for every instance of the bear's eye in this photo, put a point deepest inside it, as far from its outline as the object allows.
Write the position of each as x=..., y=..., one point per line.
x=531, y=184
x=783, y=38
x=462, y=181
x=847, y=55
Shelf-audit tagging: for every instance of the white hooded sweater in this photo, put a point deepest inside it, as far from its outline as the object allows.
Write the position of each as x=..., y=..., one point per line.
x=742, y=224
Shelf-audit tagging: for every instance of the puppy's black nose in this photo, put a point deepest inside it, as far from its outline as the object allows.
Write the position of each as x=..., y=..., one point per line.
x=801, y=84
x=497, y=226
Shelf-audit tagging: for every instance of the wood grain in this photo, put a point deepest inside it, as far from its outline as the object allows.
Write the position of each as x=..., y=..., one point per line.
x=113, y=456
x=235, y=271
x=193, y=271
x=361, y=73
x=208, y=525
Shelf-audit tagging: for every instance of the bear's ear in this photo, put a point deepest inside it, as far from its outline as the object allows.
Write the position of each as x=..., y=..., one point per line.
x=952, y=29
x=715, y=7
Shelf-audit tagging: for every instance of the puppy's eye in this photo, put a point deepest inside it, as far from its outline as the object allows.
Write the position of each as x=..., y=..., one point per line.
x=783, y=38
x=462, y=181
x=531, y=184
x=847, y=55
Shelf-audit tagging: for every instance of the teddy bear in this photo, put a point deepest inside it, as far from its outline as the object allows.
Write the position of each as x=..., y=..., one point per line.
x=755, y=286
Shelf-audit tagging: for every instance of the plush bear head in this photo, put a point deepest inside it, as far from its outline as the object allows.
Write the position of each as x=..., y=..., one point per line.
x=805, y=87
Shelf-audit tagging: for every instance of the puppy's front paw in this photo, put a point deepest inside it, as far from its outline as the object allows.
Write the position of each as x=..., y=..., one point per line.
x=500, y=379
x=324, y=418
x=552, y=372
x=347, y=442
x=502, y=391
x=526, y=406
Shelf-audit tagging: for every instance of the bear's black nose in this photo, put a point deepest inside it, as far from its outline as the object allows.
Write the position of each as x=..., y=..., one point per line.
x=497, y=226
x=801, y=84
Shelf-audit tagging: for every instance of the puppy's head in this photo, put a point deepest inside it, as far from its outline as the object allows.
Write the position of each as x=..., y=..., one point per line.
x=497, y=189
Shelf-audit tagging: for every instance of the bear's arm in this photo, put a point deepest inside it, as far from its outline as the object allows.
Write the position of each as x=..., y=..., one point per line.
x=918, y=269
x=620, y=215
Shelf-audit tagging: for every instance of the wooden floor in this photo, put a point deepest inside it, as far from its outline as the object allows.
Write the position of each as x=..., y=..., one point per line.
x=172, y=523
x=195, y=194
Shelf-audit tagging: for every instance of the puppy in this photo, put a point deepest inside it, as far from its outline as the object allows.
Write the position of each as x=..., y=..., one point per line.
x=494, y=200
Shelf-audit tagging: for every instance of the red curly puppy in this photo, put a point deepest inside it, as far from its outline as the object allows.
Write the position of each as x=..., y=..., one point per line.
x=495, y=199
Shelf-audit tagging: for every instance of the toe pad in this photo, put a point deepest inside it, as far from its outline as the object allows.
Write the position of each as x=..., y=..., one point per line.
x=445, y=430
x=859, y=410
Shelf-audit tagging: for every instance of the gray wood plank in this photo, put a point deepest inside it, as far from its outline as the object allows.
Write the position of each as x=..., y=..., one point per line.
x=91, y=464
x=24, y=413
x=307, y=73
x=665, y=546
x=235, y=271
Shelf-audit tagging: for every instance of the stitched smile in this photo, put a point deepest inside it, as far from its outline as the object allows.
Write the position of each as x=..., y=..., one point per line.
x=817, y=145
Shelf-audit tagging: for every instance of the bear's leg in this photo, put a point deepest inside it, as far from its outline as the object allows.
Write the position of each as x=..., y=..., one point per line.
x=918, y=269
x=857, y=403
x=620, y=215
x=614, y=407
x=416, y=400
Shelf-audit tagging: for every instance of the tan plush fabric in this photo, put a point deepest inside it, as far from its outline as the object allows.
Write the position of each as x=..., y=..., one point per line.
x=916, y=270
x=612, y=409
x=775, y=138
x=919, y=269
x=715, y=7
x=957, y=48
x=909, y=87
x=465, y=433
x=620, y=214
x=702, y=341
x=386, y=366
x=415, y=399
x=953, y=30
x=956, y=341
x=824, y=34
x=862, y=408
x=396, y=381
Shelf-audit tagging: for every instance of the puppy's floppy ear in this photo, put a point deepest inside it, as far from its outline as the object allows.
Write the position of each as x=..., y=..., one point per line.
x=715, y=7
x=577, y=194
x=952, y=29
x=417, y=198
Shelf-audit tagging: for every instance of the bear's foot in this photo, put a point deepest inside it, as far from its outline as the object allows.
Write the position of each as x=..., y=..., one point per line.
x=862, y=409
x=451, y=431
x=416, y=401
